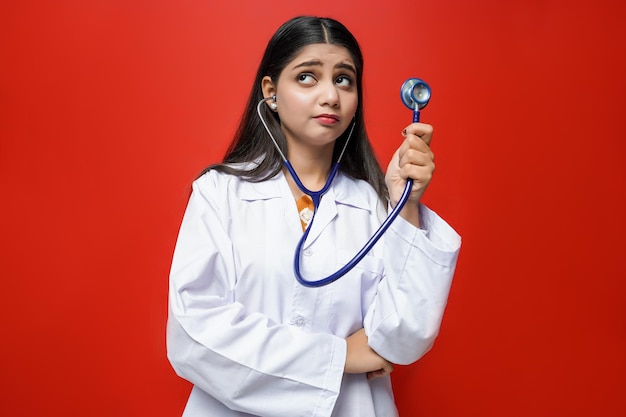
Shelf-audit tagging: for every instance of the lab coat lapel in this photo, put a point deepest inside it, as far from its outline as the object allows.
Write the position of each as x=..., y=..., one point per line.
x=326, y=212
x=342, y=192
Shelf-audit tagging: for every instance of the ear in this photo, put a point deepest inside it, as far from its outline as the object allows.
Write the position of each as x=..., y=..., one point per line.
x=269, y=89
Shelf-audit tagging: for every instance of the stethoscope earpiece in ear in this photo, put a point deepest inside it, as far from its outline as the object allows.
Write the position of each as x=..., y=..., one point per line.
x=273, y=104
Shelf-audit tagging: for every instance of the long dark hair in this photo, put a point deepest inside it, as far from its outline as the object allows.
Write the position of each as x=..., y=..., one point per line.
x=251, y=142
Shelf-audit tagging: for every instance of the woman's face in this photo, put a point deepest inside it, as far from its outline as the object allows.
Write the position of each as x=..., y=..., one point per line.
x=316, y=94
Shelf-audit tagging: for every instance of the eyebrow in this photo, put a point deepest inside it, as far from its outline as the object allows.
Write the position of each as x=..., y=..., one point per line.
x=317, y=62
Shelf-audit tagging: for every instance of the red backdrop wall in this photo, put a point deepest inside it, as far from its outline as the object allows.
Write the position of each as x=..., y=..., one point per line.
x=109, y=109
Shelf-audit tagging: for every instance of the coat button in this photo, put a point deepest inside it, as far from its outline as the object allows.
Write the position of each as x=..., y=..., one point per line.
x=307, y=252
x=299, y=321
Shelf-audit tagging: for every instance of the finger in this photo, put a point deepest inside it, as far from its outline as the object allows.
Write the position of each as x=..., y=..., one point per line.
x=421, y=130
x=388, y=368
x=415, y=143
x=419, y=157
x=385, y=370
x=373, y=374
x=410, y=156
x=376, y=374
x=419, y=175
x=416, y=157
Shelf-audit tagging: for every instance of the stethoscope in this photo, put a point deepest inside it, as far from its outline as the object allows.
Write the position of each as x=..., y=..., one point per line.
x=415, y=94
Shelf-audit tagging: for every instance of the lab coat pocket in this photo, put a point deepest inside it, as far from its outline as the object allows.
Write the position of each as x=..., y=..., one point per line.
x=356, y=290
x=370, y=267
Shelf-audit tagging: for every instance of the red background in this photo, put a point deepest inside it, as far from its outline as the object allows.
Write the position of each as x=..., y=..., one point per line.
x=109, y=109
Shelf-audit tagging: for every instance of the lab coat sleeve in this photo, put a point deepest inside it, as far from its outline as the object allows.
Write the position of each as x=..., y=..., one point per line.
x=404, y=319
x=242, y=359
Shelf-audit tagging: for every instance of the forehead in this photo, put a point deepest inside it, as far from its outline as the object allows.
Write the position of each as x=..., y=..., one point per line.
x=324, y=53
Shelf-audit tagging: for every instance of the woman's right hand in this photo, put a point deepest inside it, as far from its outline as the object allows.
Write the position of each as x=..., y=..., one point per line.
x=360, y=358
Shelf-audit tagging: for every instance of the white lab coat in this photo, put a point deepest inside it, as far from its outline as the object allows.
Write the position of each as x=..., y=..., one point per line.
x=253, y=341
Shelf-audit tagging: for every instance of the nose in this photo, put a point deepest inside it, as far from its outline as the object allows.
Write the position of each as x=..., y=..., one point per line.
x=329, y=95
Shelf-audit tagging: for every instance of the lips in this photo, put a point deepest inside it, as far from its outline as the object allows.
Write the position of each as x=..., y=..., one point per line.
x=327, y=119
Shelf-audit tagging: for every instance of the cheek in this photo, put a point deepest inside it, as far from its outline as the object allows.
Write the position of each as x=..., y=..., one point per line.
x=352, y=106
x=350, y=101
x=293, y=102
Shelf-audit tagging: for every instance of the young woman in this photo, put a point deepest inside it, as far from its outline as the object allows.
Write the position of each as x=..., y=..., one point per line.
x=242, y=329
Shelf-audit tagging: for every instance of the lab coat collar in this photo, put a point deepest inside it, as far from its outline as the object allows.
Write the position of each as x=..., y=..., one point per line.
x=342, y=191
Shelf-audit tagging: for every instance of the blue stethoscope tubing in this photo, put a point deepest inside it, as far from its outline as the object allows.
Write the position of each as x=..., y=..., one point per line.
x=357, y=258
x=415, y=94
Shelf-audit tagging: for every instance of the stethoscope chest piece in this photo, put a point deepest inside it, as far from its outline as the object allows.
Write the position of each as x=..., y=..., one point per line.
x=415, y=93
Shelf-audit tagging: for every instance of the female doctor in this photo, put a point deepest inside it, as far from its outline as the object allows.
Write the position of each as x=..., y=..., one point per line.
x=253, y=340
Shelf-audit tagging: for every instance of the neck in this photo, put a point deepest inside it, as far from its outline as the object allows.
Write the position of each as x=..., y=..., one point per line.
x=312, y=168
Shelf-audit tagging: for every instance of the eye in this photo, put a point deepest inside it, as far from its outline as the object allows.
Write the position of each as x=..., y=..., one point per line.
x=344, y=81
x=306, y=79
